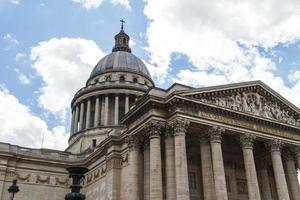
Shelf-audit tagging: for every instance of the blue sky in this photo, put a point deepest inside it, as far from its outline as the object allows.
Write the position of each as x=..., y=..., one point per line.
x=49, y=47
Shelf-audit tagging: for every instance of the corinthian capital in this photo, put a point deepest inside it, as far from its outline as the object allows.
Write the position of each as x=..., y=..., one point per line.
x=179, y=125
x=288, y=155
x=274, y=145
x=133, y=143
x=296, y=151
x=154, y=128
x=246, y=140
x=215, y=134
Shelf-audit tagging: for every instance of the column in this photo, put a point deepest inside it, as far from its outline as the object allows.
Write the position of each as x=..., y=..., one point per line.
x=170, y=165
x=126, y=103
x=106, y=110
x=96, y=117
x=292, y=176
x=207, y=168
x=281, y=185
x=265, y=182
x=73, y=122
x=181, y=170
x=297, y=153
x=134, y=162
x=76, y=119
x=215, y=134
x=102, y=105
x=154, y=127
x=146, y=170
x=88, y=114
x=246, y=141
x=116, y=109
x=81, y=116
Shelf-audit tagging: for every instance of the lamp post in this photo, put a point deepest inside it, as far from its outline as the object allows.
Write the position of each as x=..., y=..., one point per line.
x=77, y=174
x=13, y=189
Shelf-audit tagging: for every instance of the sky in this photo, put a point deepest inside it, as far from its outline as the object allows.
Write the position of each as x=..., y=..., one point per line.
x=48, y=49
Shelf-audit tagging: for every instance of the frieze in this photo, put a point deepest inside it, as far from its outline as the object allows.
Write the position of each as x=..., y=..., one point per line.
x=27, y=177
x=256, y=104
x=214, y=116
x=63, y=181
x=42, y=179
x=23, y=177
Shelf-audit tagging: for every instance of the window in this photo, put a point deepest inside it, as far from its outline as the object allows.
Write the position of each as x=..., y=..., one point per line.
x=94, y=141
x=241, y=186
x=135, y=80
x=192, y=180
x=108, y=78
x=122, y=78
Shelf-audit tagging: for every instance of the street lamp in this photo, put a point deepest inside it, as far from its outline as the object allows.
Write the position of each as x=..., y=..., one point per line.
x=77, y=174
x=13, y=189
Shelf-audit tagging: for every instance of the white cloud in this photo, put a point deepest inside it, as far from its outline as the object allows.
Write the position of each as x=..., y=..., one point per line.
x=221, y=40
x=16, y=2
x=19, y=126
x=10, y=38
x=24, y=80
x=295, y=76
x=64, y=65
x=88, y=4
x=19, y=56
x=124, y=3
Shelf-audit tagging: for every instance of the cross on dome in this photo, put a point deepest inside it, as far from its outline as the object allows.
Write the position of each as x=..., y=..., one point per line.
x=122, y=40
x=122, y=24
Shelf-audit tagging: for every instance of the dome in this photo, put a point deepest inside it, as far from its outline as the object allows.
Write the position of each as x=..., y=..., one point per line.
x=121, y=58
x=121, y=61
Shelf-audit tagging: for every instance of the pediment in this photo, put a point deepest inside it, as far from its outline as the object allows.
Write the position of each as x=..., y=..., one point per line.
x=254, y=98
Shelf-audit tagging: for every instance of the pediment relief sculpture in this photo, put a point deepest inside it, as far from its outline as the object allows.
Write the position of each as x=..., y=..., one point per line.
x=255, y=103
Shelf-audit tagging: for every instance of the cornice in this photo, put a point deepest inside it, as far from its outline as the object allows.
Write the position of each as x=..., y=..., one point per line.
x=123, y=71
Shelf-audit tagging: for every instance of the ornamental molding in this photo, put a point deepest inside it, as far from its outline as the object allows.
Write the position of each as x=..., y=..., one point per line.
x=254, y=100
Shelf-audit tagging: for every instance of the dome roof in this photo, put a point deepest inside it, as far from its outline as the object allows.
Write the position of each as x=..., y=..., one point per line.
x=121, y=61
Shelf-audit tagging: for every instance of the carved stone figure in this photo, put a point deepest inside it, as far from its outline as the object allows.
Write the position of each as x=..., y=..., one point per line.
x=254, y=103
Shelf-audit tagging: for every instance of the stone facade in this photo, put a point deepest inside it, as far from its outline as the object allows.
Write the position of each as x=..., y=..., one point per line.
x=230, y=142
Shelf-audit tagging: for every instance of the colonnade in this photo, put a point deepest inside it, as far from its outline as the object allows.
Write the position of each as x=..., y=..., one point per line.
x=212, y=165
x=101, y=110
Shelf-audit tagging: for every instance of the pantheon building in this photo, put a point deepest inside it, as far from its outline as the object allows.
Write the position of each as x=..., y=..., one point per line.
x=229, y=142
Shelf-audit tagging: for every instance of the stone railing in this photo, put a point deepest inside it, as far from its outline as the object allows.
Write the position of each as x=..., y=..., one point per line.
x=6, y=148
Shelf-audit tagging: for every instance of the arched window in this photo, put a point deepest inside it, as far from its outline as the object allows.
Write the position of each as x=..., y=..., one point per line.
x=135, y=80
x=122, y=78
x=108, y=78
